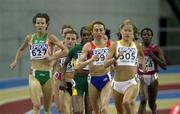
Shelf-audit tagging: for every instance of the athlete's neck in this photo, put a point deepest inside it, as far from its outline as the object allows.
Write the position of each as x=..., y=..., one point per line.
x=99, y=42
x=40, y=34
x=126, y=43
x=146, y=44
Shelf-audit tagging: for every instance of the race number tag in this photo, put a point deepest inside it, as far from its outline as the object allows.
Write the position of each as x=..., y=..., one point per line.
x=129, y=56
x=38, y=51
x=149, y=63
x=69, y=67
x=101, y=53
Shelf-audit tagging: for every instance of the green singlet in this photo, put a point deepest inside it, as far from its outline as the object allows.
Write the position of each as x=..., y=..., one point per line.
x=81, y=81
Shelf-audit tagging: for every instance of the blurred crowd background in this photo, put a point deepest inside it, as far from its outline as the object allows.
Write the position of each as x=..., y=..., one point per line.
x=163, y=16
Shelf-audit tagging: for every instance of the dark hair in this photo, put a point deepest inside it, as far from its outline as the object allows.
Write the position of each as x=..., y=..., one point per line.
x=82, y=29
x=97, y=22
x=72, y=32
x=108, y=33
x=65, y=26
x=41, y=15
x=148, y=29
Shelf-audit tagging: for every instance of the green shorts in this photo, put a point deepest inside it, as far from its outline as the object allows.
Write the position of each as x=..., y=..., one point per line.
x=81, y=85
x=42, y=76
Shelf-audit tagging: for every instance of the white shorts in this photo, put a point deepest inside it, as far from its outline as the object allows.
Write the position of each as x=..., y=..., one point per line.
x=121, y=87
x=148, y=79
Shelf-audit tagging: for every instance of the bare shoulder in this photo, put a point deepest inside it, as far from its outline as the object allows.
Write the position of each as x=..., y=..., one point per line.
x=53, y=38
x=113, y=44
x=138, y=44
x=86, y=47
x=28, y=38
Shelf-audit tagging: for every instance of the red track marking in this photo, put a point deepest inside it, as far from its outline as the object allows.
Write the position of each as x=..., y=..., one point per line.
x=17, y=107
x=169, y=87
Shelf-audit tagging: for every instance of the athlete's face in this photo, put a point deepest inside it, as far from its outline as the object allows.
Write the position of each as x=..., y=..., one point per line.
x=70, y=40
x=85, y=36
x=41, y=24
x=146, y=36
x=65, y=30
x=98, y=31
x=127, y=32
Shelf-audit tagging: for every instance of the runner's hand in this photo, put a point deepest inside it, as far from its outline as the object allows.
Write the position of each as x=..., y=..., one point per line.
x=12, y=65
x=94, y=58
x=120, y=53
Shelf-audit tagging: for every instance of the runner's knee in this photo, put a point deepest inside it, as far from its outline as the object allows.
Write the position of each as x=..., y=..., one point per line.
x=128, y=103
x=104, y=110
x=37, y=107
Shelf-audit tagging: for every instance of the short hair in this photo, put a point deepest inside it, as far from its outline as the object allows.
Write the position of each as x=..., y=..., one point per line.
x=65, y=26
x=41, y=15
x=72, y=32
x=82, y=29
x=148, y=29
x=97, y=22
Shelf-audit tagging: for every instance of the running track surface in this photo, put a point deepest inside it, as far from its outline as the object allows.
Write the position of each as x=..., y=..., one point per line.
x=25, y=105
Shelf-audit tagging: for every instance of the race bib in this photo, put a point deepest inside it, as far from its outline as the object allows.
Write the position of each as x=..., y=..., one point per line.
x=101, y=53
x=69, y=67
x=129, y=56
x=38, y=51
x=149, y=63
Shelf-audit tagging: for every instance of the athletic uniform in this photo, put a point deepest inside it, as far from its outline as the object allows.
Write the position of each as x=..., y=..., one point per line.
x=80, y=80
x=152, y=66
x=40, y=49
x=69, y=69
x=99, y=81
x=129, y=58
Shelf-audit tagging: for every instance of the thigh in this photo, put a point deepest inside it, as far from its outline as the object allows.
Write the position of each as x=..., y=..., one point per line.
x=67, y=103
x=131, y=93
x=56, y=92
x=77, y=103
x=48, y=91
x=94, y=95
x=105, y=94
x=143, y=90
x=153, y=90
x=35, y=90
x=88, y=107
x=118, y=99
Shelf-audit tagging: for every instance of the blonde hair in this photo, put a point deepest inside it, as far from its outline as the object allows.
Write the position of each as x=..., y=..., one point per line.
x=129, y=22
